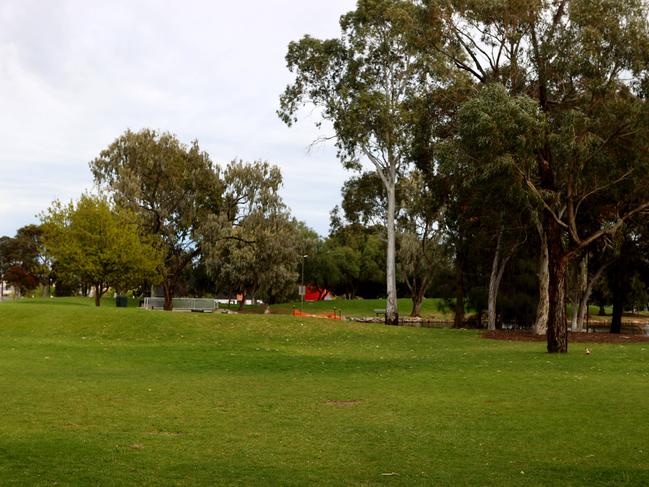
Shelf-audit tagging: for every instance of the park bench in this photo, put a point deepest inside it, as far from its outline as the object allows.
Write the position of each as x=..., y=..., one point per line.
x=194, y=305
x=379, y=311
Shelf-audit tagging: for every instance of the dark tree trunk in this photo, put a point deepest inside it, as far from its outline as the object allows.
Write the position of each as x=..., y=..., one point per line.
x=458, y=321
x=98, y=295
x=168, y=287
x=557, y=333
x=618, y=310
x=620, y=285
x=417, y=300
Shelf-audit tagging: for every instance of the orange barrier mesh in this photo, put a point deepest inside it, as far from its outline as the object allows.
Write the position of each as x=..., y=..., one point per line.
x=330, y=316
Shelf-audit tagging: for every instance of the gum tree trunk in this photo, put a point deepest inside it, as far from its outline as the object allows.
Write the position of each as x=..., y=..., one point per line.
x=417, y=300
x=497, y=272
x=494, y=283
x=543, y=307
x=558, y=261
x=98, y=293
x=583, y=304
x=581, y=284
x=391, y=311
x=168, y=290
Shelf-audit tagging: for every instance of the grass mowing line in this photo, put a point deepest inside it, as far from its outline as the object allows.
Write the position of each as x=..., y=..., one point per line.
x=129, y=397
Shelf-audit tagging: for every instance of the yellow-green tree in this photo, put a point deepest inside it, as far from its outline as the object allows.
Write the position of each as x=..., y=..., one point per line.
x=101, y=245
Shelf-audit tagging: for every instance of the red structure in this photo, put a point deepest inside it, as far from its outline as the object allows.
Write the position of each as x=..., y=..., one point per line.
x=317, y=294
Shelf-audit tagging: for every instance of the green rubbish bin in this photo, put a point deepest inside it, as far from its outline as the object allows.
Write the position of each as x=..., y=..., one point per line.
x=121, y=302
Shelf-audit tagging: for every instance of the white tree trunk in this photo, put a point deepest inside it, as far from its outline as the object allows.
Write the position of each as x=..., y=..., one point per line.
x=391, y=311
x=583, y=304
x=543, y=308
x=494, y=284
x=497, y=272
x=581, y=283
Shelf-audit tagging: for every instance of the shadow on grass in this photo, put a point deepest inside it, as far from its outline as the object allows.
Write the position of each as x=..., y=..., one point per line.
x=56, y=302
x=591, y=475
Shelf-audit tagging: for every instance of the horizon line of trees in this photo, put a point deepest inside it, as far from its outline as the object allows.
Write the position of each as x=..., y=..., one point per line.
x=508, y=147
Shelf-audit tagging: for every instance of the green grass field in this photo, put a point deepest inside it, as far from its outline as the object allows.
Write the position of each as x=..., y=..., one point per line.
x=107, y=396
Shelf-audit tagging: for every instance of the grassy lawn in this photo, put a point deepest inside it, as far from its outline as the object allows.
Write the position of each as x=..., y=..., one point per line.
x=113, y=396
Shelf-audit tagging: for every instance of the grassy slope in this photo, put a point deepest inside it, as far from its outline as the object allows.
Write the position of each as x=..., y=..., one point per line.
x=129, y=397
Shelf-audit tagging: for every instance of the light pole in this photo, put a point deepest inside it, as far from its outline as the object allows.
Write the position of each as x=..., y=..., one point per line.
x=302, y=288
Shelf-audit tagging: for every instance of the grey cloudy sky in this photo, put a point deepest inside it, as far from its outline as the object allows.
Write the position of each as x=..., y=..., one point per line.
x=74, y=74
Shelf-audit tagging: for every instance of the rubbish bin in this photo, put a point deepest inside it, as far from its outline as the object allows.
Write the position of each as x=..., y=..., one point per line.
x=121, y=302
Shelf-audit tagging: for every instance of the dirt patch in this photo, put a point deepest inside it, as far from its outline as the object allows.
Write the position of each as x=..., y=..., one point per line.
x=526, y=336
x=343, y=404
x=164, y=433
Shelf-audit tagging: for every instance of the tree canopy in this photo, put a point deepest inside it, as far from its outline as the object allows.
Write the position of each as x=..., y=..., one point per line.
x=101, y=245
x=172, y=187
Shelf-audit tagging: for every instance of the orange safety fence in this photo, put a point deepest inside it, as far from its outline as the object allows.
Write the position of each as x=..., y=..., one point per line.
x=336, y=315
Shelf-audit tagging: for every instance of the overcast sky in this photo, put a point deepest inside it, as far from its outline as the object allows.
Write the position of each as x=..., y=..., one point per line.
x=75, y=74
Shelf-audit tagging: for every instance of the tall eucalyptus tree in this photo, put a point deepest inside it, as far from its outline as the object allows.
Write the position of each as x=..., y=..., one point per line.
x=364, y=84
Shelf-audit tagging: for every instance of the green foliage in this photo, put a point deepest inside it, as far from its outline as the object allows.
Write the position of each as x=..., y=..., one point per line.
x=420, y=253
x=496, y=128
x=173, y=188
x=22, y=263
x=357, y=254
x=361, y=81
x=101, y=245
x=252, y=245
x=559, y=104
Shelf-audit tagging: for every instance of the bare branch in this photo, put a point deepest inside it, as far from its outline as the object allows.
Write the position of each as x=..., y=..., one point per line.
x=601, y=188
x=319, y=140
x=530, y=184
x=613, y=228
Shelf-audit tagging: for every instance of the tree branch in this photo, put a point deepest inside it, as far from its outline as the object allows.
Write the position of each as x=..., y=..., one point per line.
x=538, y=194
x=601, y=188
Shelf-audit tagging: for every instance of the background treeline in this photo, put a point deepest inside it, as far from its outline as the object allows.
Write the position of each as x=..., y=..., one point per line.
x=524, y=125
x=508, y=163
